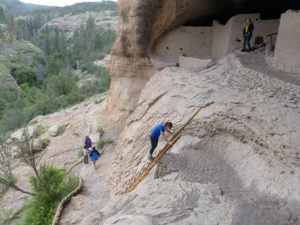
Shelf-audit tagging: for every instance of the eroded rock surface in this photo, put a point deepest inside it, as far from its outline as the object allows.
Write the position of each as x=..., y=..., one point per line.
x=245, y=145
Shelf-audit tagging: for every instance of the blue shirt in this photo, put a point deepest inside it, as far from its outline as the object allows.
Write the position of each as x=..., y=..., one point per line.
x=156, y=131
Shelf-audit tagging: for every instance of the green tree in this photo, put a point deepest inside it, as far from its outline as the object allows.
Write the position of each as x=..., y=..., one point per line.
x=8, y=92
x=46, y=41
x=55, y=64
x=56, y=44
x=25, y=74
x=7, y=177
x=63, y=44
x=3, y=105
x=98, y=43
x=61, y=84
x=2, y=15
x=90, y=25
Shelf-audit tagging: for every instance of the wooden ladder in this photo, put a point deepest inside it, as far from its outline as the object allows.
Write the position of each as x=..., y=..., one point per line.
x=146, y=170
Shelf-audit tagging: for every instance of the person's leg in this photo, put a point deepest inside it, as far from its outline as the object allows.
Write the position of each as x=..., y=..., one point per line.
x=244, y=42
x=86, y=158
x=154, y=142
x=248, y=42
x=94, y=163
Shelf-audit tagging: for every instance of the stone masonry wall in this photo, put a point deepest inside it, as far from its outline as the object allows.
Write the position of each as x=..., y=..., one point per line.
x=211, y=42
x=185, y=41
x=287, y=50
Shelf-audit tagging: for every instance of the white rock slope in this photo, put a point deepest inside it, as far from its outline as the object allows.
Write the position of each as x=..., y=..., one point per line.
x=241, y=154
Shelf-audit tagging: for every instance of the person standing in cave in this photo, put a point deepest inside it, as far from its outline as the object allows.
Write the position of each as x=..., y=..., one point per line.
x=247, y=34
x=154, y=136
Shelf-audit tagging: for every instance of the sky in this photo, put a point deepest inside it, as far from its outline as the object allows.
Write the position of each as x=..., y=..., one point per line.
x=59, y=2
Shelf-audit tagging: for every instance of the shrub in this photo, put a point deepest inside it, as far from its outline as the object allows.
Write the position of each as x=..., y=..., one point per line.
x=41, y=208
x=8, y=92
x=61, y=129
x=25, y=74
x=46, y=142
x=100, y=144
x=97, y=101
x=60, y=84
x=4, y=215
x=39, y=130
x=99, y=130
x=80, y=153
x=10, y=178
x=2, y=190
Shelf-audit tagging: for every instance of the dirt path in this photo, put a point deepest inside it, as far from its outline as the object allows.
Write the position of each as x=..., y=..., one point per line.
x=96, y=191
x=258, y=61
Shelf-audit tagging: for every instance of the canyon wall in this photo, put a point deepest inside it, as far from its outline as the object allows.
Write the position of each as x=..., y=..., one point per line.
x=141, y=23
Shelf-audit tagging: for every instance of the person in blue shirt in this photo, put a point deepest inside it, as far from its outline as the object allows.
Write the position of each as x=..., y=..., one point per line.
x=155, y=134
x=94, y=156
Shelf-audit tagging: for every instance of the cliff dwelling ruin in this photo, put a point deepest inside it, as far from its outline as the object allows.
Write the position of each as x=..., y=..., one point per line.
x=154, y=34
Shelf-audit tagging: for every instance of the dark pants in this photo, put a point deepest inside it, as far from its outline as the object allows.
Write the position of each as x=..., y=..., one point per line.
x=247, y=38
x=154, y=142
x=86, y=159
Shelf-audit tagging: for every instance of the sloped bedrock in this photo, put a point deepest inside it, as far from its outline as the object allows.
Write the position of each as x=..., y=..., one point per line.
x=220, y=157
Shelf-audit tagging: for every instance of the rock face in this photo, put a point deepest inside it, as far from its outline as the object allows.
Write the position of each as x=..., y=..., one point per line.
x=141, y=26
x=10, y=51
x=69, y=23
x=239, y=144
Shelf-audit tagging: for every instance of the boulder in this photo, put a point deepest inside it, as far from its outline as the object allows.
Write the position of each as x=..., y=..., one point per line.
x=18, y=135
x=37, y=145
x=53, y=131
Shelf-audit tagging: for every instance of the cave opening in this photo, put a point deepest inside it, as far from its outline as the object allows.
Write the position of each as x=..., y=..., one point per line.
x=225, y=9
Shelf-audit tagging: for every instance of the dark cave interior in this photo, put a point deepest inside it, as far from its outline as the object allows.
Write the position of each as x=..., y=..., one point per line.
x=268, y=9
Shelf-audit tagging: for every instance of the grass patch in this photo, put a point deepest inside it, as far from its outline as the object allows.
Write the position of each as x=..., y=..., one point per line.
x=4, y=216
x=80, y=153
x=46, y=142
x=100, y=144
x=61, y=129
x=97, y=101
x=39, y=130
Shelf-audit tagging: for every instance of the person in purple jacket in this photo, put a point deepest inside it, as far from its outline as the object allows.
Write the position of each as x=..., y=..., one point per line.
x=88, y=142
x=155, y=134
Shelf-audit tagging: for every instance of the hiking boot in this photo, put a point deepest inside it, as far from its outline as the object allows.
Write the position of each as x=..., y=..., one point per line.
x=150, y=158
